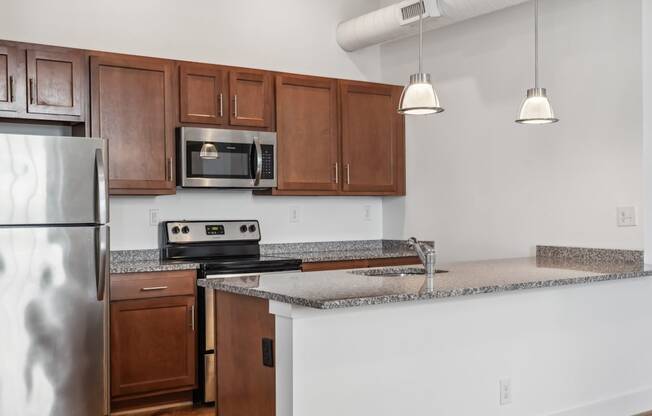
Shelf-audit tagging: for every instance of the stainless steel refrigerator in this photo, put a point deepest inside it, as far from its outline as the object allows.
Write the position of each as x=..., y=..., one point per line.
x=54, y=260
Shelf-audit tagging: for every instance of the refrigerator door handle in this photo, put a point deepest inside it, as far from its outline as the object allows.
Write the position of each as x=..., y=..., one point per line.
x=102, y=259
x=101, y=190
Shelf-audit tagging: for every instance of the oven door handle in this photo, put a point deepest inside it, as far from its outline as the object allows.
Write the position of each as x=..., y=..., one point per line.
x=259, y=161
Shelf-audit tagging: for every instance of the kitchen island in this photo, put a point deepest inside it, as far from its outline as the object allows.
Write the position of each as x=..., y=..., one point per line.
x=561, y=330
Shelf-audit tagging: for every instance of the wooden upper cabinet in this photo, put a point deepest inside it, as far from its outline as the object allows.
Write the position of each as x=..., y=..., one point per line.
x=12, y=96
x=153, y=345
x=55, y=82
x=132, y=106
x=373, y=154
x=307, y=128
x=252, y=98
x=203, y=94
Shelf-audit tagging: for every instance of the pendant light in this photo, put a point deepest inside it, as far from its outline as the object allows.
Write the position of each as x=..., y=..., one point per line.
x=536, y=108
x=419, y=96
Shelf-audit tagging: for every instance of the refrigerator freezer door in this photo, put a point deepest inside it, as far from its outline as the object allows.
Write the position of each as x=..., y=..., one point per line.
x=52, y=180
x=52, y=325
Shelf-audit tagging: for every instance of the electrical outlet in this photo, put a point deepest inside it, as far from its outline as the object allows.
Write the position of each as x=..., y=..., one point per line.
x=153, y=217
x=367, y=212
x=505, y=391
x=295, y=214
x=626, y=216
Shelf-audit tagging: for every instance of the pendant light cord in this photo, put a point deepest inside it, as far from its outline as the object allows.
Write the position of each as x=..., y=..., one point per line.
x=421, y=9
x=536, y=43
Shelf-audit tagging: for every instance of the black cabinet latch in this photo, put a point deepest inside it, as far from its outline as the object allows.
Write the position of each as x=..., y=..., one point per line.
x=268, y=352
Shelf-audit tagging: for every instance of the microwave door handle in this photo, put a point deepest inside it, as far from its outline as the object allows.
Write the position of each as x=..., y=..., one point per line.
x=259, y=161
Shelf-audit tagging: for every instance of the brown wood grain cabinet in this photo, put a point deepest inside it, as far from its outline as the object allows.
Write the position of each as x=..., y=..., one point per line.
x=152, y=334
x=373, y=155
x=245, y=386
x=203, y=94
x=55, y=82
x=11, y=80
x=132, y=106
x=152, y=345
x=252, y=98
x=307, y=129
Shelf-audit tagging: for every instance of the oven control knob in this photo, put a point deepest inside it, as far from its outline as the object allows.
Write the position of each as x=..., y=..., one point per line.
x=175, y=230
x=185, y=229
x=243, y=228
x=252, y=228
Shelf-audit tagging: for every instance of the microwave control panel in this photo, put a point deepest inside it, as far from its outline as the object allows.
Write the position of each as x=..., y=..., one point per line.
x=268, y=161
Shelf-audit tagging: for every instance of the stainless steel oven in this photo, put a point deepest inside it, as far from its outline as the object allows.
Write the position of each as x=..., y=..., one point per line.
x=219, y=158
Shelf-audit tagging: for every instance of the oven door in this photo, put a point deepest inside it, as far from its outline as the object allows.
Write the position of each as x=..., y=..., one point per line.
x=226, y=158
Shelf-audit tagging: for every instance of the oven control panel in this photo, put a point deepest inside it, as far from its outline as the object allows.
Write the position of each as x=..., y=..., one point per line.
x=180, y=232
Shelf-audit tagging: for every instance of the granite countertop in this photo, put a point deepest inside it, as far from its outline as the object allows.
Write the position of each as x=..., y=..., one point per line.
x=135, y=261
x=553, y=266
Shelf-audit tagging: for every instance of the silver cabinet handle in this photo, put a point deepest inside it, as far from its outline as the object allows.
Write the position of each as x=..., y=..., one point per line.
x=337, y=174
x=348, y=174
x=152, y=288
x=192, y=317
x=31, y=91
x=235, y=106
x=169, y=169
x=102, y=190
x=259, y=160
x=102, y=235
x=11, y=89
x=221, y=105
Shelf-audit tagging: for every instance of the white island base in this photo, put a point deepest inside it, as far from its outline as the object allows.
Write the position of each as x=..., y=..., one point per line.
x=575, y=350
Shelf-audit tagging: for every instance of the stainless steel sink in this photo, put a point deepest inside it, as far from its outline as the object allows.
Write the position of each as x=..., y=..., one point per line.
x=394, y=272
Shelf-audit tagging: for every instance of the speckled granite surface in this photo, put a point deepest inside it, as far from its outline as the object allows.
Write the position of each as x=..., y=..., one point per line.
x=340, y=250
x=133, y=261
x=136, y=261
x=340, y=289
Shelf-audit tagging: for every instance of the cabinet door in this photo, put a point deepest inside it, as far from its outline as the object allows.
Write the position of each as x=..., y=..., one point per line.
x=152, y=345
x=306, y=117
x=12, y=96
x=54, y=82
x=372, y=138
x=252, y=98
x=203, y=94
x=132, y=107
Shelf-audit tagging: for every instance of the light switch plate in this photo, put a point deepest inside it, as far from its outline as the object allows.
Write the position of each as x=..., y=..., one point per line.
x=153, y=217
x=295, y=214
x=626, y=216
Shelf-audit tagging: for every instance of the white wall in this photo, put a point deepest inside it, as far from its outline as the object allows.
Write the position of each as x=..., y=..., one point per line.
x=285, y=35
x=483, y=186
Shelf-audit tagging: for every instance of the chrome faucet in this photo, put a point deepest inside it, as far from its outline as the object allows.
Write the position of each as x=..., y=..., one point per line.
x=426, y=253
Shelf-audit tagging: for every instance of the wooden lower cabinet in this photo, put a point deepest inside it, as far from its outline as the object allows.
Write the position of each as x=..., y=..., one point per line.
x=248, y=386
x=153, y=338
x=359, y=264
x=152, y=345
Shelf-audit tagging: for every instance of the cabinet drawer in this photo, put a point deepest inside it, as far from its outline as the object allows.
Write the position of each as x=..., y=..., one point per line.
x=152, y=284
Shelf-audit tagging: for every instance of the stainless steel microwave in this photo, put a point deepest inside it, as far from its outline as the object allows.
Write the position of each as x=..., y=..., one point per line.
x=219, y=158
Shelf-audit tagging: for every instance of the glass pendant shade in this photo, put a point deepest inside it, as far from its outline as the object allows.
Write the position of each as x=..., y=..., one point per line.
x=536, y=108
x=208, y=151
x=419, y=96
